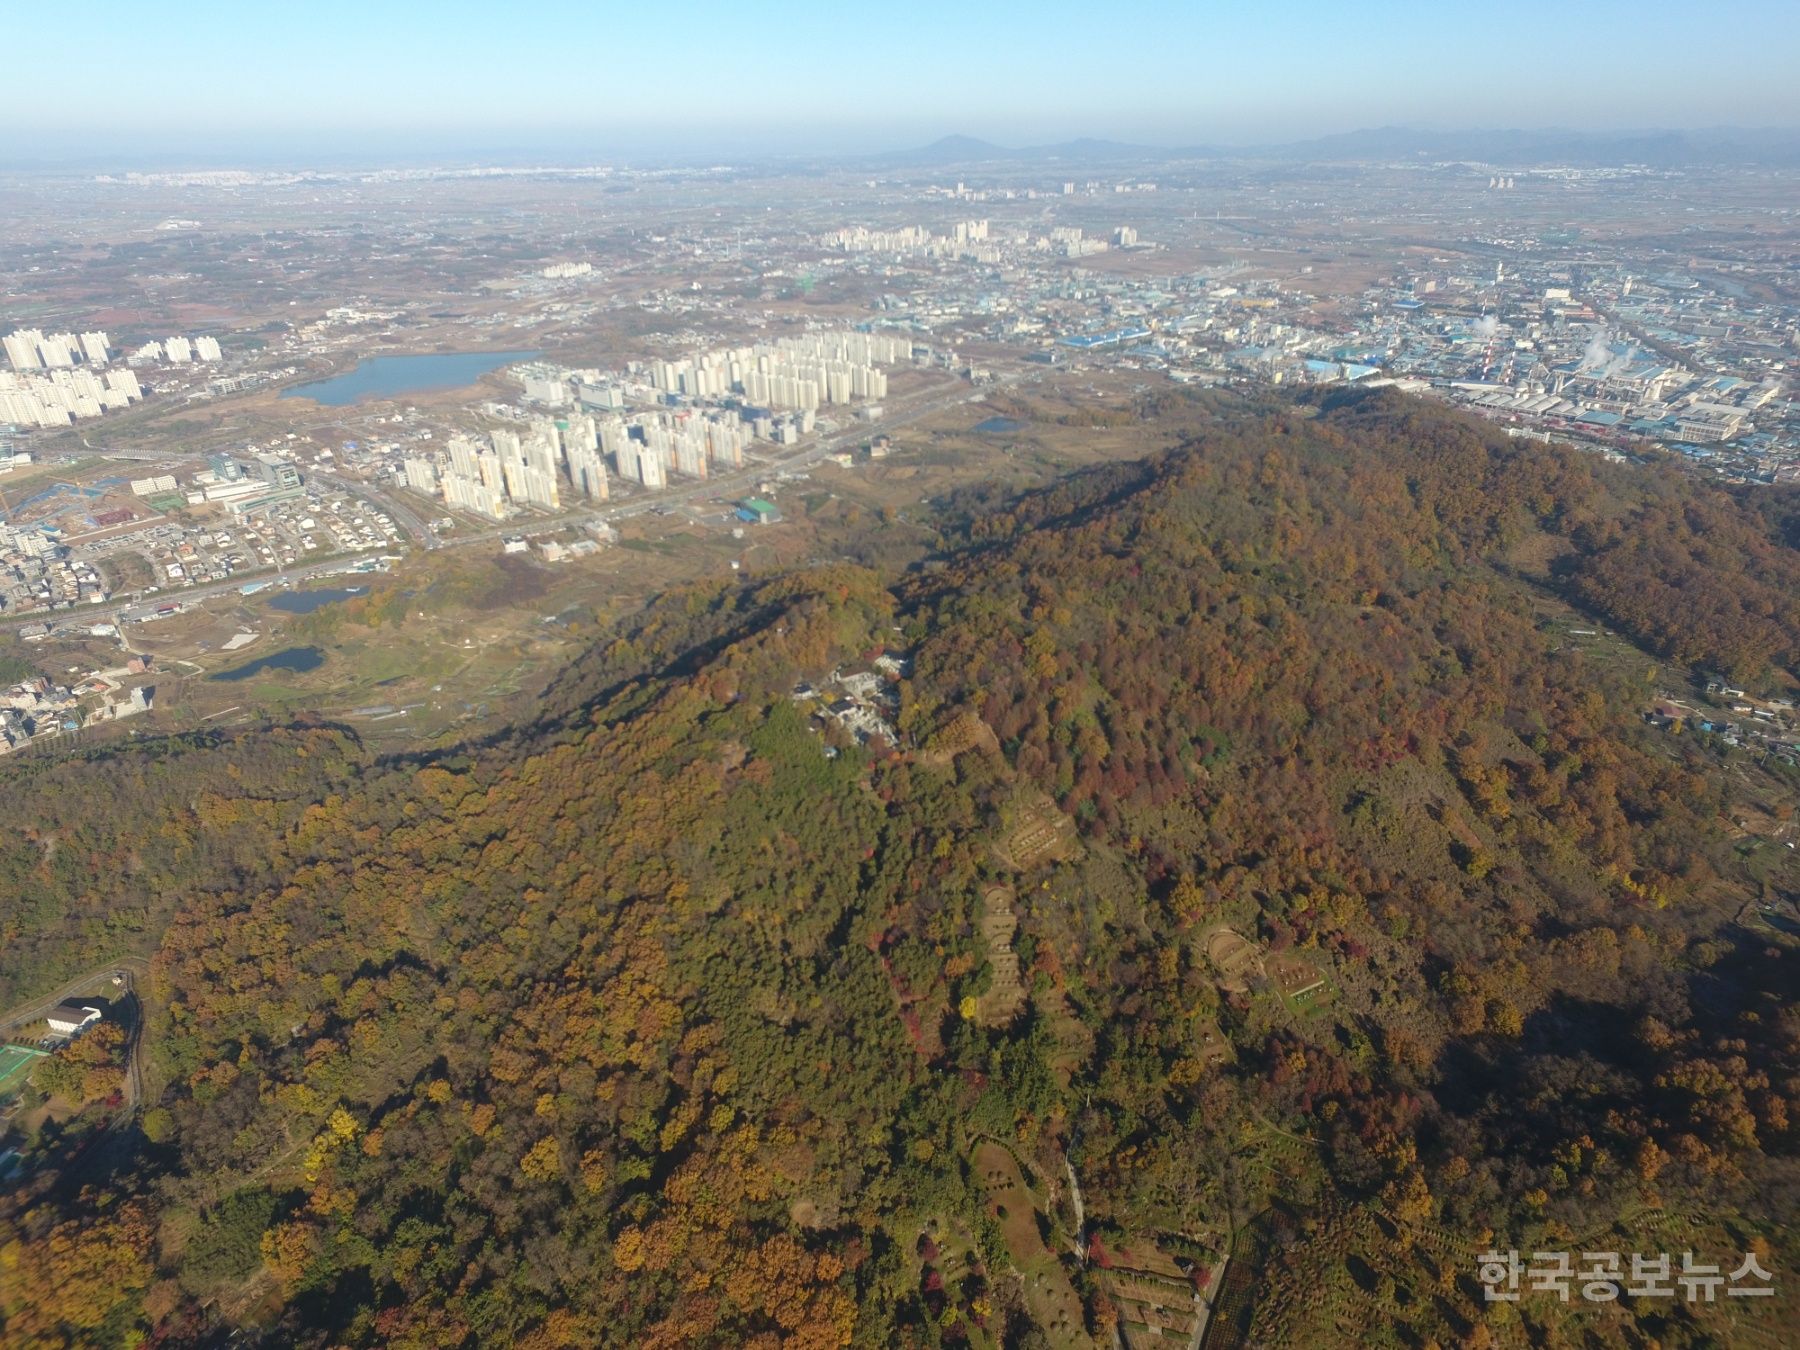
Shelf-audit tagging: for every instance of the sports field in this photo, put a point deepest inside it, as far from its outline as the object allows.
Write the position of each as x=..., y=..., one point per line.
x=15, y=1067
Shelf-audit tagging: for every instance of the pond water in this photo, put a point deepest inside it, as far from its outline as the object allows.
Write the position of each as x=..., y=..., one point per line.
x=999, y=426
x=397, y=376
x=296, y=659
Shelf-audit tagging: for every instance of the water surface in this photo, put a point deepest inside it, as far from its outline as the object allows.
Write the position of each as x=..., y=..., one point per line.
x=296, y=659
x=305, y=602
x=397, y=376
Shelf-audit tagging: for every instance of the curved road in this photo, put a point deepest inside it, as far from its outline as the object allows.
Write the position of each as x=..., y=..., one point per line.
x=25, y=1013
x=134, y=968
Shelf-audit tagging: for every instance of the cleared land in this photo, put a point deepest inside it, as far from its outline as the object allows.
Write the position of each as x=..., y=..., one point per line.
x=1048, y=1293
x=999, y=923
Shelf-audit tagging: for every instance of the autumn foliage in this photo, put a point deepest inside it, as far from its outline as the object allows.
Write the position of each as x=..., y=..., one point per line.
x=648, y=1023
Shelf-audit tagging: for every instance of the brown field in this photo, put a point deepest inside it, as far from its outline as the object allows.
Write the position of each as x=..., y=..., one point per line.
x=1236, y=958
x=1003, y=999
x=1214, y=1049
x=1155, y=1300
x=1048, y=1294
x=1295, y=976
x=1041, y=834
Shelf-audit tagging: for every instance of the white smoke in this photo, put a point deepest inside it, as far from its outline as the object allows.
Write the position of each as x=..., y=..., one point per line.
x=1600, y=359
x=1486, y=326
x=1598, y=354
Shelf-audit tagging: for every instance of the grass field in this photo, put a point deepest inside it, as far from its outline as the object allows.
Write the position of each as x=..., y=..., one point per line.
x=15, y=1067
x=1048, y=1293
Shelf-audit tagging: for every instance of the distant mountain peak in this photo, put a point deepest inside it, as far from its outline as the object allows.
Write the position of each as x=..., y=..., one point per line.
x=961, y=149
x=963, y=145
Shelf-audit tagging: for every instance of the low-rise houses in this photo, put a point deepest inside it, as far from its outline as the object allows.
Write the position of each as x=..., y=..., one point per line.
x=862, y=700
x=40, y=708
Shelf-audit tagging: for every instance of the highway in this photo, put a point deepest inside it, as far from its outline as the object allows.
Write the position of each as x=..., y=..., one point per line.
x=922, y=405
x=900, y=413
x=926, y=403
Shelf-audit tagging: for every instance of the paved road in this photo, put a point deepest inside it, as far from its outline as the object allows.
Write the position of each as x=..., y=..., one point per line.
x=1205, y=1302
x=924, y=404
x=112, y=1143
x=140, y=607
x=900, y=413
x=25, y=1013
x=727, y=486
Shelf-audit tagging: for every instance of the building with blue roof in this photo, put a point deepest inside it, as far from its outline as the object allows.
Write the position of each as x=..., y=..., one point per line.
x=1095, y=340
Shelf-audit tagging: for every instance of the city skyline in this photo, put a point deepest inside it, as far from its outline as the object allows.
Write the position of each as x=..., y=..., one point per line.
x=400, y=80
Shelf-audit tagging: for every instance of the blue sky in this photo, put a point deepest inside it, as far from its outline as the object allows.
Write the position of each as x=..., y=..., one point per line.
x=200, y=75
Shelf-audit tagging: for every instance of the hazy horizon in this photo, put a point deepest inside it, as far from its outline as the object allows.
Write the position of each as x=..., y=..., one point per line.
x=568, y=149
x=213, y=80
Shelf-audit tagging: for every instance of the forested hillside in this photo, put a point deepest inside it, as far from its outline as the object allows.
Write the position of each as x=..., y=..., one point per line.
x=1255, y=859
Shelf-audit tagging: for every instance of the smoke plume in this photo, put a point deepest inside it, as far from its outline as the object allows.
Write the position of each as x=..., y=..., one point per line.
x=1597, y=355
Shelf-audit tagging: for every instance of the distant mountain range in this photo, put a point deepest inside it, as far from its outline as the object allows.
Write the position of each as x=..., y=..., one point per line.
x=1511, y=149
x=1660, y=149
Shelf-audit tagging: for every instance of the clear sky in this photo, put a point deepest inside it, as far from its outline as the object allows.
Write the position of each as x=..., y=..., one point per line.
x=314, y=76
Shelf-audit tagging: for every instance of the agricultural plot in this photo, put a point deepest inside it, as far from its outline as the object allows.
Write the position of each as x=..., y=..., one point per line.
x=1234, y=1306
x=1237, y=960
x=1303, y=986
x=1039, y=834
x=1001, y=1003
x=1157, y=1302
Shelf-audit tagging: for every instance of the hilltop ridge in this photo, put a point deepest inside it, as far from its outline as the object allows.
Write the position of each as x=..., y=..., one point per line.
x=1344, y=907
